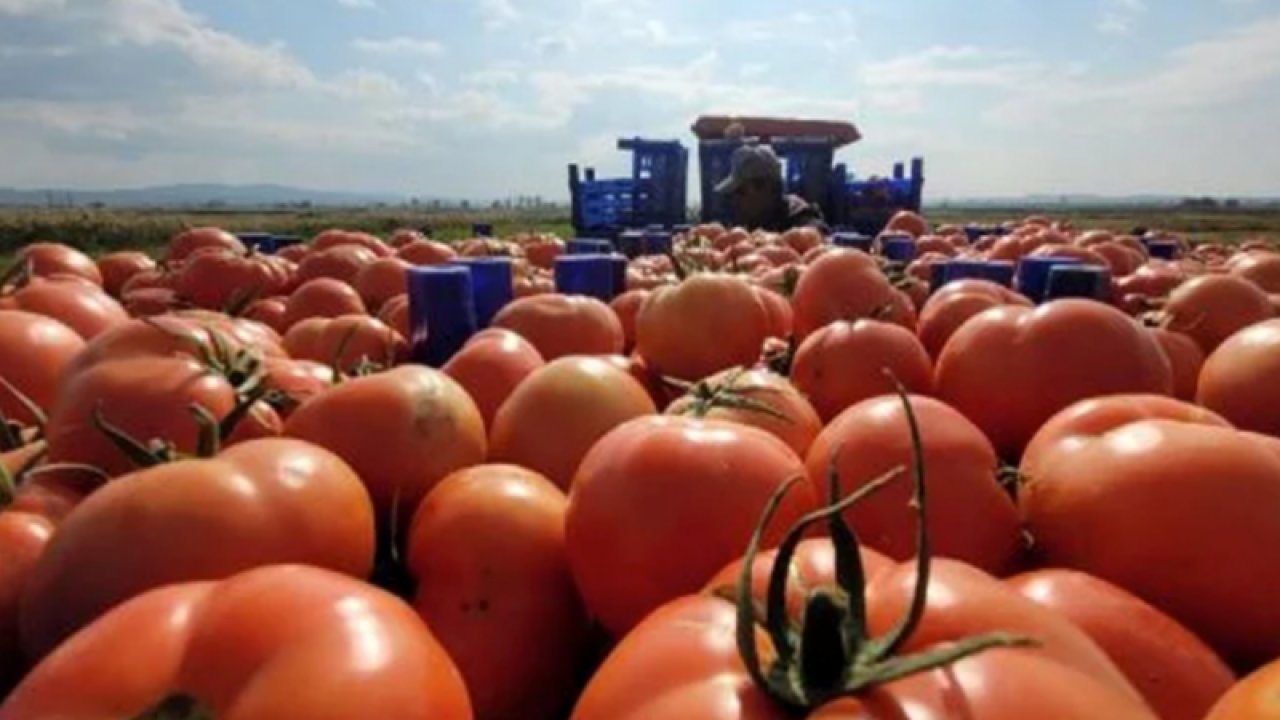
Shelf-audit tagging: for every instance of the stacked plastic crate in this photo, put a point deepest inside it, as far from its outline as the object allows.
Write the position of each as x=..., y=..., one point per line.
x=865, y=205
x=655, y=194
x=806, y=171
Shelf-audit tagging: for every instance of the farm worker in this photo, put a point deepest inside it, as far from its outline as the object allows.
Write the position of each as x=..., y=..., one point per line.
x=756, y=198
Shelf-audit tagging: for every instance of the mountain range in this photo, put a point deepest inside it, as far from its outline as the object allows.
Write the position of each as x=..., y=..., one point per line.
x=194, y=195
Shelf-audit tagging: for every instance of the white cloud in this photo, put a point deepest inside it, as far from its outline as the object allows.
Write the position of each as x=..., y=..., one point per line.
x=363, y=84
x=493, y=76
x=398, y=45
x=359, y=4
x=656, y=32
x=30, y=7
x=498, y=13
x=1118, y=16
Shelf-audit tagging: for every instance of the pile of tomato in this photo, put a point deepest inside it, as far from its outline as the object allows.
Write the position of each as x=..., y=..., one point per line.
x=775, y=478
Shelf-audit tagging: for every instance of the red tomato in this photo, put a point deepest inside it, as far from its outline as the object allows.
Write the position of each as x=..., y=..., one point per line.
x=294, y=253
x=1253, y=698
x=908, y=222
x=24, y=536
x=334, y=238
x=259, y=503
x=1009, y=369
x=83, y=307
x=148, y=397
x=176, y=335
x=322, y=297
x=778, y=308
x=1241, y=379
x=1107, y=502
x=844, y=363
x=1185, y=358
x=41, y=349
x=342, y=262
x=246, y=647
x=560, y=325
x=487, y=549
x=221, y=280
x=586, y=396
x=402, y=430
x=675, y=324
x=490, y=366
x=46, y=259
x=708, y=482
x=395, y=313
x=802, y=240
x=1260, y=268
x=970, y=516
x=381, y=280
x=1212, y=308
x=954, y=304
x=269, y=311
x=118, y=268
x=426, y=252
x=188, y=242
x=1177, y=674
x=347, y=342
x=544, y=251
x=845, y=285
x=627, y=306
x=758, y=398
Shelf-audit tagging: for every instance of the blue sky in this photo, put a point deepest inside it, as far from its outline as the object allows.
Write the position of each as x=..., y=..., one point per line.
x=482, y=98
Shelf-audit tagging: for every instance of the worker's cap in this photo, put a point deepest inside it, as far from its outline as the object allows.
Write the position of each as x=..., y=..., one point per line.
x=751, y=162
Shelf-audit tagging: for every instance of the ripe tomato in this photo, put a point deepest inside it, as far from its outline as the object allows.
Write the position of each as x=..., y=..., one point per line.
x=118, y=268
x=176, y=335
x=322, y=297
x=1177, y=674
x=247, y=647
x=490, y=366
x=908, y=222
x=1108, y=502
x=402, y=430
x=844, y=363
x=346, y=342
x=1253, y=698
x=675, y=324
x=487, y=549
x=954, y=304
x=190, y=241
x=845, y=285
x=627, y=306
x=46, y=259
x=342, y=262
x=426, y=252
x=395, y=313
x=40, y=350
x=24, y=536
x=219, y=280
x=259, y=503
x=79, y=305
x=1009, y=369
x=381, y=280
x=587, y=396
x=778, y=309
x=1240, y=379
x=970, y=516
x=334, y=238
x=269, y=311
x=758, y=398
x=543, y=251
x=560, y=325
x=802, y=240
x=294, y=382
x=1185, y=358
x=1212, y=308
x=1260, y=268
x=708, y=482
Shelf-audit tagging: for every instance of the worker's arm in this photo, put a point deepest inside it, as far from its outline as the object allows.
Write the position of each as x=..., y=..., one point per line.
x=803, y=214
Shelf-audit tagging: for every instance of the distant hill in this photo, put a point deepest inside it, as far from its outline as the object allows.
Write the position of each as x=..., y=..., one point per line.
x=194, y=195
x=1088, y=201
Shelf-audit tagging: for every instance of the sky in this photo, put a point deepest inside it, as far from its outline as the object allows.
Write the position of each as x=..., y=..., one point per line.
x=489, y=98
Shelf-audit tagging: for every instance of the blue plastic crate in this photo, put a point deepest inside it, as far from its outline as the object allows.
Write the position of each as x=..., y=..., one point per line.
x=655, y=194
x=867, y=204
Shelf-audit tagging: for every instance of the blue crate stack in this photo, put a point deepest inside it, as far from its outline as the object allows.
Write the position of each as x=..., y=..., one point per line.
x=867, y=204
x=806, y=170
x=655, y=194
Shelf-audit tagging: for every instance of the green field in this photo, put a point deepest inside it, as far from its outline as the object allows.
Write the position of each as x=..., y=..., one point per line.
x=104, y=230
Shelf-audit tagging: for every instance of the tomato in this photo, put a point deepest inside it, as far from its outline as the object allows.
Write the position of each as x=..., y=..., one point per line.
x=1009, y=369
x=1240, y=382
x=322, y=297
x=342, y=262
x=347, y=342
x=404, y=236
x=1085, y=255
x=676, y=322
x=178, y=334
x=673, y=500
x=802, y=240
x=844, y=363
x=46, y=259
x=395, y=313
x=1260, y=268
x=845, y=285
x=294, y=253
x=954, y=304
x=269, y=311
x=294, y=382
x=544, y=250
x=190, y=241
x=426, y=252
x=487, y=549
x=381, y=280
x=627, y=306
x=1177, y=674
x=222, y=280
x=335, y=238
x=149, y=397
x=1109, y=502
x=24, y=536
x=1185, y=358
x=1212, y=308
x=402, y=430
x=758, y=398
x=971, y=517
x=285, y=641
x=264, y=502
x=40, y=349
x=778, y=309
x=1121, y=259
x=587, y=397
x=80, y=306
x=560, y=325
x=118, y=268
x=1253, y=698
x=908, y=222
